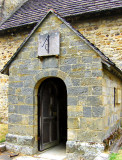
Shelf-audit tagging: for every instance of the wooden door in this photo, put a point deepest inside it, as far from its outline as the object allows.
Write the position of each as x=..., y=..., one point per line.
x=48, y=113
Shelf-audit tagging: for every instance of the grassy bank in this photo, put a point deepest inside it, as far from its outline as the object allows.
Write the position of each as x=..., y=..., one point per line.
x=116, y=156
x=3, y=132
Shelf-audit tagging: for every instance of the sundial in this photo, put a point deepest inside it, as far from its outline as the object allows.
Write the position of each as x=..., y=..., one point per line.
x=49, y=44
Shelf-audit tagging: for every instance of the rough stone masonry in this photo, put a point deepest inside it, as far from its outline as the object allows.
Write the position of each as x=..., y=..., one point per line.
x=91, y=116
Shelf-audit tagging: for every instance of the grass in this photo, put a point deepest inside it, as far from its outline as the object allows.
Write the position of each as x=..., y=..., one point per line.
x=113, y=156
x=2, y=140
x=116, y=156
x=3, y=132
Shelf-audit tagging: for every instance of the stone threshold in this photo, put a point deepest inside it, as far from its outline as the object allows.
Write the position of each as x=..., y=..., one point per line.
x=55, y=153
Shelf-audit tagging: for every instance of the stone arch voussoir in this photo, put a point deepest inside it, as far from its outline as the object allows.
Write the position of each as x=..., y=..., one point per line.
x=39, y=78
x=52, y=73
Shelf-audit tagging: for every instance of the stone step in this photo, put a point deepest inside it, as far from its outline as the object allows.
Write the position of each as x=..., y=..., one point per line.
x=2, y=147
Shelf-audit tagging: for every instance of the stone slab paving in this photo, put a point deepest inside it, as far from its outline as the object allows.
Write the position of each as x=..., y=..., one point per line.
x=26, y=158
x=5, y=157
x=34, y=158
x=55, y=153
x=102, y=156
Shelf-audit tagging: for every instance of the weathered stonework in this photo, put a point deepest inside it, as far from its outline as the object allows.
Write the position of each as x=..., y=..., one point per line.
x=17, y=141
x=105, y=33
x=8, y=46
x=112, y=105
x=79, y=150
x=81, y=70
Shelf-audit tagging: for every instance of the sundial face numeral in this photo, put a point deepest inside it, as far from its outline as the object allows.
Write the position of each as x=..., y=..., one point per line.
x=46, y=44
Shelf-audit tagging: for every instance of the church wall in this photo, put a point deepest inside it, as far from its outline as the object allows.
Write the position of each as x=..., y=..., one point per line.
x=112, y=101
x=9, y=43
x=105, y=33
x=81, y=70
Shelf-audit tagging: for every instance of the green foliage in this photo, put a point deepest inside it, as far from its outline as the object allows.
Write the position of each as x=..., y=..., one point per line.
x=2, y=140
x=113, y=156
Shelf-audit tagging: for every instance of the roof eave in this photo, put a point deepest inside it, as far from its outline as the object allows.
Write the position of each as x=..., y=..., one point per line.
x=70, y=15
x=113, y=69
x=15, y=27
x=94, y=11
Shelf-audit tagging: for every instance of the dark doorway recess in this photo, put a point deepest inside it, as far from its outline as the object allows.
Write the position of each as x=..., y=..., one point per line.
x=52, y=113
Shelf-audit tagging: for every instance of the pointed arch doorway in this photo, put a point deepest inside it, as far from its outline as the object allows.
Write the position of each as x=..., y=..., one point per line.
x=52, y=113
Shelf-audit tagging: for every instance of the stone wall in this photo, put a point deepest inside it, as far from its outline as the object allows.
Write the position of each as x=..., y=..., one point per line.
x=105, y=33
x=77, y=65
x=8, y=46
x=112, y=88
